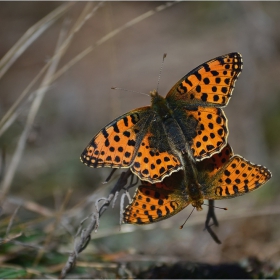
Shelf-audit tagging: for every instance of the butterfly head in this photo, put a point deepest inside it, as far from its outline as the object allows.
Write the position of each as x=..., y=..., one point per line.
x=197, y=204
x=195, y=195
x=154, y=93
x=159, y=103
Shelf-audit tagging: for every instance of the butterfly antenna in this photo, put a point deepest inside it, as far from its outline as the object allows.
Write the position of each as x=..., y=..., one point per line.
x=223, y=208
x=164, y=56
x=130, y=90
x=186, y=219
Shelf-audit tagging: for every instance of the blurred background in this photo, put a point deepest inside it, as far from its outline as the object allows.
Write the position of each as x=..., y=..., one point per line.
x=120, y=44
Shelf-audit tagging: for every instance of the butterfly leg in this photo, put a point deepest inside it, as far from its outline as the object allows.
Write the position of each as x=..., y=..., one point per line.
x=211, y=215
x=110, y=176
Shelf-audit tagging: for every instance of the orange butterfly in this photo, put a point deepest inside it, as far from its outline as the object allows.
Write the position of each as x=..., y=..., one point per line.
x=224, y=175
x=189, y=121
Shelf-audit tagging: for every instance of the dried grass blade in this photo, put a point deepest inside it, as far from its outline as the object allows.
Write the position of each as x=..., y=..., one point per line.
x=30, y=119
x=30, y=36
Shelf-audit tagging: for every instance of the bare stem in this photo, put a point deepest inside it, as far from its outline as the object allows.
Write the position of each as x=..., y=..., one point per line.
x=101, y=206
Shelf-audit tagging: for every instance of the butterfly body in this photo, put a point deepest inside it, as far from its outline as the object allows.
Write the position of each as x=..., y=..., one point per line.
x=164, y=117
x=189, y=120
x=189, y=181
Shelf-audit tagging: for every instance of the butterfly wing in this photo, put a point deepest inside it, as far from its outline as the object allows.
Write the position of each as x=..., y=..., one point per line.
x=237, y=177
x=195, y=101
x=116, y=144
x=209, y=84
x=205, y=130
x=133, y=140
x=155, y=202
x=210, y=166
x=155, y=160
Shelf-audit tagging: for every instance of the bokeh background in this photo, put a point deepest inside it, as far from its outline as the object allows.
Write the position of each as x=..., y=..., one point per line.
x=125, y=42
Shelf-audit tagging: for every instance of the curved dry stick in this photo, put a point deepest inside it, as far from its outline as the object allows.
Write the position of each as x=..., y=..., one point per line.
x=85, y=235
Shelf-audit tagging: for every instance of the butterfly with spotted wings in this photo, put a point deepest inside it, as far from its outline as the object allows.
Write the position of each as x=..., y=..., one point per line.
x=222, y=176
x=189, y=121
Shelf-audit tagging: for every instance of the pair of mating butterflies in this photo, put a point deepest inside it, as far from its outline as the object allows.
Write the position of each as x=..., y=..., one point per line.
x=187, y=129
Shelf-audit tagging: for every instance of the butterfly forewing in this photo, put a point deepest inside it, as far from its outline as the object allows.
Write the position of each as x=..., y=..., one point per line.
x=211, y=83
x=115, y=145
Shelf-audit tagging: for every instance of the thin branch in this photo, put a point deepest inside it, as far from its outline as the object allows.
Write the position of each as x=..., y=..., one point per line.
x=7, y=240
x=11, y=221
x=85, y=234
x=124, y=195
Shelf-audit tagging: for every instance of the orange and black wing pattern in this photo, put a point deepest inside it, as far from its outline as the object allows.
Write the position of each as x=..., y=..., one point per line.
x=155, y=202
x=210, y=131
x=237, y=177
x=134, y=140
x=116, y=144
x=153, y=164
x=196, y=100
x=209, y=84
x=210, y=166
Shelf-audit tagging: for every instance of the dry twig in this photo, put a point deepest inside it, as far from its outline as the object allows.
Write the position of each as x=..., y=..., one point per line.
x=85, y=234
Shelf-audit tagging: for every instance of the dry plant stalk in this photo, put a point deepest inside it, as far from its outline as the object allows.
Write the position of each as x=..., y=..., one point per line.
x=101, y=206
x=51, y=67
x=30, y=36
x=23, y=43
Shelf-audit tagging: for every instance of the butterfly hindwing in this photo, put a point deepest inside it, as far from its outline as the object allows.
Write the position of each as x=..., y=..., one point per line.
x=212, y=165
x=236, y=177
x=211, y=83
x=115, y=144
x=210, y=130
x=151, y=162
x=154, y=202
